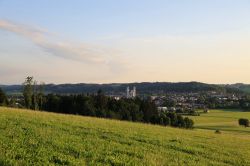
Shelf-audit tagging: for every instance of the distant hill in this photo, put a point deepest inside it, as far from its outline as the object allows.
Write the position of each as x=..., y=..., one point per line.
x=142, y=88
x=241, y=87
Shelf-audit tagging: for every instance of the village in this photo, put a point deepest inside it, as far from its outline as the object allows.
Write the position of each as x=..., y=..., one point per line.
x=186, y=103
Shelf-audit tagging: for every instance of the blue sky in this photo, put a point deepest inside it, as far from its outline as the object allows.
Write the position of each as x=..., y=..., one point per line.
x=89, y=19
x=117, y=40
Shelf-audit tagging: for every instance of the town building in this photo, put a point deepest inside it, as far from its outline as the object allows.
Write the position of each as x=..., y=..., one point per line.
x=131, y=93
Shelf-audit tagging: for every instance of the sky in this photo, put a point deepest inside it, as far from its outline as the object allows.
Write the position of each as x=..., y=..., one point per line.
x=117, y=41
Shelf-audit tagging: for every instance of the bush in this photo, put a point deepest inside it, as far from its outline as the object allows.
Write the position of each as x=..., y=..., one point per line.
x=244, y=122
x=217, y=132
x=189, y=123
x=167, y=121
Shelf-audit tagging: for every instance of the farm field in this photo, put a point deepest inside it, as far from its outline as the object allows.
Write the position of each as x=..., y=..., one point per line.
x=40, y=138
x=224, y=120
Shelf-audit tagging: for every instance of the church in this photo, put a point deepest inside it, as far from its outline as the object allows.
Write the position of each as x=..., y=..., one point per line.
x=131, y=93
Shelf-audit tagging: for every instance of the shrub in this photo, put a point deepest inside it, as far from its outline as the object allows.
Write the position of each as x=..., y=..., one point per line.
x=167, y=121
x=217, y=132
x=189, y=123
x=244, y=122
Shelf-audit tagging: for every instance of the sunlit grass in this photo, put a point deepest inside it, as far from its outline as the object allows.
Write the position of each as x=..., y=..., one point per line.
x=39, y=138
x=225, y=120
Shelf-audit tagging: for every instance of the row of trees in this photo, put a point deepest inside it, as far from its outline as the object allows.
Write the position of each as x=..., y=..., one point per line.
x=33, y=94
x=216, y=103
x=245, y=103
x=96, y=105
x=99, y=105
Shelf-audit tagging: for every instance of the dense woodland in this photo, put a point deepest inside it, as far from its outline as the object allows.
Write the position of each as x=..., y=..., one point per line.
x=99, y=105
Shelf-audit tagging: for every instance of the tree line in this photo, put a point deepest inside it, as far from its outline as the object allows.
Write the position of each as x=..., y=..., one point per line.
x=211, y=102
x=99, y=105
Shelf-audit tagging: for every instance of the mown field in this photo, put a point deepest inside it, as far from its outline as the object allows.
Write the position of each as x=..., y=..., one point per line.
x=39, y=138
x=223, y=120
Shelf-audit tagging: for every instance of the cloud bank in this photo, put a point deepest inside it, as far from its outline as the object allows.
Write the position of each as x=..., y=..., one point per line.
x=214, y=58
x=70, y=50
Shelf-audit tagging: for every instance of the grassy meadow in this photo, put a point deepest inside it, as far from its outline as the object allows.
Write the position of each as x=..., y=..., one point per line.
x=40, y=138
x=224, y=120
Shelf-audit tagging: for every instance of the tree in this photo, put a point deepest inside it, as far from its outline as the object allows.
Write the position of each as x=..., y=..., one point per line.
x=3, y=98
x=40, y=96
x=169, y=103
x=188, y=123
x=180, y=121
x=101, y=100
x=149, y=111
x=135, y=112
x=103, y=106
x=35, y=96
x=173, y=119
x=244, y=122
x=89, y=108
x=52, y=103
x=167, y=121
x=28, y=91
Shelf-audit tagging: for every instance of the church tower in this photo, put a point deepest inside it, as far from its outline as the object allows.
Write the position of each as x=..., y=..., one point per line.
x=128, y=93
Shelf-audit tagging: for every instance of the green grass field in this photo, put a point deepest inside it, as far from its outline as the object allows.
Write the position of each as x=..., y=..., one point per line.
x=39, y=138
x=224, y=120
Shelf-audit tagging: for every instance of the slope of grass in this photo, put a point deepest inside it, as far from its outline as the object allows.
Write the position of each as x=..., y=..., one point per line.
x=39, y=138
x=225, y=120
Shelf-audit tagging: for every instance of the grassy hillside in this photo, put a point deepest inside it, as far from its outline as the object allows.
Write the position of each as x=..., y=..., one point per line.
x=39, y=138
x=224, y=120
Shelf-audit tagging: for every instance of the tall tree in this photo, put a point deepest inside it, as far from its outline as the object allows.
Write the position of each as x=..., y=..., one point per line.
x=28, y=91
x=40, y=95
x=35, y=96
x=3, y=98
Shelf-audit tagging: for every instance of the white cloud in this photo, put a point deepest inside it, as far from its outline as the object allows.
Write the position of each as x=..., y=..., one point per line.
x=71, y=50
x=78, y=62
x=209, y=58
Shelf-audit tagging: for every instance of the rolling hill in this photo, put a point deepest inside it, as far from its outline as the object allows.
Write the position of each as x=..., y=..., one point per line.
x=242, y=87
x=41, y=138
x=115, y=88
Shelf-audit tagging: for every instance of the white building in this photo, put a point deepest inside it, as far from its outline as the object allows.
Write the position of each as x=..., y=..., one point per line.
x=162, y=109
x=132, y=93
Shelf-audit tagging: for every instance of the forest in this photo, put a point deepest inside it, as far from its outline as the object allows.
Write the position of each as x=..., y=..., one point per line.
x=98, y=105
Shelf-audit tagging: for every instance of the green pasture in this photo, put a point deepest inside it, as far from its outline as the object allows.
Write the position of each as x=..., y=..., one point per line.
x=224, y=120
x=40, y=138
